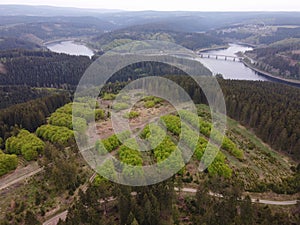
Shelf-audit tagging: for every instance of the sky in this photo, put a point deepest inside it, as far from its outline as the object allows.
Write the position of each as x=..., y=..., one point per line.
x=171, y=5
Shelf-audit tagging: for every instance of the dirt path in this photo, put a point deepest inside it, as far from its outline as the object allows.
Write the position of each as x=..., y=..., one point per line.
x=54, y=220
x=262, y=201
x=19, y=174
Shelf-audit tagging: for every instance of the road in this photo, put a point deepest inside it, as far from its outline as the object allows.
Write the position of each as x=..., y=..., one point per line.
x=262, y=201
x=187, y=190
x=19, y=175
x=15, y=178
x=54, y=220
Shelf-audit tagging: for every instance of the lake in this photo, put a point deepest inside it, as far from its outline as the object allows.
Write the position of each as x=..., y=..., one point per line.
x=71, y=48
x=228, y=68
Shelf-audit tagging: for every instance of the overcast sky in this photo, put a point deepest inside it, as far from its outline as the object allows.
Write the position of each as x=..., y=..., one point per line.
x=169, y=5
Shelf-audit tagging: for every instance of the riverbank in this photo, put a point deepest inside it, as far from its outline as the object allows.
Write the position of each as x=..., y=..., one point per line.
x=57, y=41
x=221, y=47
x=269, y=75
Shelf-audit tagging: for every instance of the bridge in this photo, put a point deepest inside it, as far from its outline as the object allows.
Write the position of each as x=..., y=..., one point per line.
x=220, y=57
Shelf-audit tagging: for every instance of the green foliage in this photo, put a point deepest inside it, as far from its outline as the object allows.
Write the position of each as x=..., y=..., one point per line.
x=149, y=104
x=109, y=96
x=120, y=106
x=61, y=119
x=219, y=168
x=26, y=144
x=29, y=115
x=172, y=123
x=164, y=149
x=66, y=120
x=257, y=105
x=108, y=171
x=200, y=148
x=55, y=134
x=231, y=147
x=156, y=100
x=151, y=101
x=205, y=129
x=67, y=109
x=153, y=133
x=83, y=112
x=131, y=143
x=131, y=115
x=168, y=156
x=7, y=163
x=130, y=156
x=99, y=114
x=131, y=159
x=197, y=122
x=189, y=136
x=218, y=165
x=93, y=103
x=111, y=143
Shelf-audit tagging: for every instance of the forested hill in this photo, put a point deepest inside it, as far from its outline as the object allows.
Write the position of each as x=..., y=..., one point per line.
x=270, y=109
x=11, y=95
x=30, y=115
x=280, y=58
x=41, y=68
x=47, y=69
x=17, y=43
x=160, y=32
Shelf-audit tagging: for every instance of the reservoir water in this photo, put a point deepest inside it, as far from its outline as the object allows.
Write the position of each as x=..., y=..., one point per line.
x=71, y=48
x=228, y=68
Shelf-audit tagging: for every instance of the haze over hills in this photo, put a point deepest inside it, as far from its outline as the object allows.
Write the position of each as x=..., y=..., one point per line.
x=176, y=20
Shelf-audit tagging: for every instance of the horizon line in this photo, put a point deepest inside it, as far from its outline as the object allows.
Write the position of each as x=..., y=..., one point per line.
x=147, y=10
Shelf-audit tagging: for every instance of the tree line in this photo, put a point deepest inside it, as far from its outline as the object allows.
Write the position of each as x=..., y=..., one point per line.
x=41, y=68
x=11, y=95
x=29, y=115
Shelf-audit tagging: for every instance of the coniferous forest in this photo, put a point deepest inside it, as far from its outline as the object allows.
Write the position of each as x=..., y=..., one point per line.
x=47, y=177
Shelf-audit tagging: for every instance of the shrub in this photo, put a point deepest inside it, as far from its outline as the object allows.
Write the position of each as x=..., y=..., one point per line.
x=26, y=144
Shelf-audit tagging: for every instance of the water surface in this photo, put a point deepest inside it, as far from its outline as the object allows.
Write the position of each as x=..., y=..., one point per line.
x=71, y=48
x=228, y=68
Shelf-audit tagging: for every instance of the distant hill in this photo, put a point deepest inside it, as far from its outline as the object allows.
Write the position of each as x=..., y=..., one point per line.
x=281, y=58
x=153, y=31
x=16, y=43
x=21, y=10
x=185, y=21
x=40, y=29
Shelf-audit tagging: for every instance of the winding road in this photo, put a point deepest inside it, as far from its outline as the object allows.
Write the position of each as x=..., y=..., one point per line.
x=54, y=220
x=26, y=172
